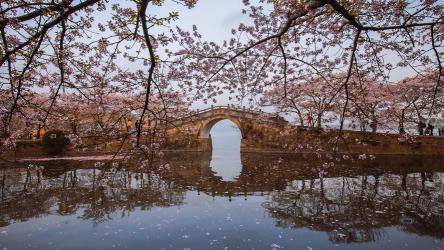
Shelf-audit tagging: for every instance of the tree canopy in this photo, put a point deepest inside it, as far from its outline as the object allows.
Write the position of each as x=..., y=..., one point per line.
x=351, y=55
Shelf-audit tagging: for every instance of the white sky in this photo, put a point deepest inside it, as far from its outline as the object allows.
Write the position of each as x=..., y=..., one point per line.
x=214, y=18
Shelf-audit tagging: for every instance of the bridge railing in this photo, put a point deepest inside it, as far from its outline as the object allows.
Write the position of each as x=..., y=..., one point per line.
x=227, y=107
x=243, y=109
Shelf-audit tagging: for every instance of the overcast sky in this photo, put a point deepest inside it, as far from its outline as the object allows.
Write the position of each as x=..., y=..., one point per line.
x=214, y=18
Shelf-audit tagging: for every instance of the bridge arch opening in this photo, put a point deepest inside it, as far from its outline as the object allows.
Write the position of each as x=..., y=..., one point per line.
x=205, y=130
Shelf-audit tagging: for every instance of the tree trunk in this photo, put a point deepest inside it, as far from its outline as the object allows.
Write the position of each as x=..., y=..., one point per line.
x=301, y=118
x=401, y=123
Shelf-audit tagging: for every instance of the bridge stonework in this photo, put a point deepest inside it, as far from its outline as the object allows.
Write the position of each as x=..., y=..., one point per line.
x=193, y=132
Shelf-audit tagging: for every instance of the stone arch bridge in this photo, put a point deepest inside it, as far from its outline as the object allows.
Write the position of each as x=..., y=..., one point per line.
x=193, y=131
x=265, y=132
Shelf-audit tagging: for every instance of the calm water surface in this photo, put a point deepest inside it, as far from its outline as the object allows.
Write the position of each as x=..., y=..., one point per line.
x=224, y=201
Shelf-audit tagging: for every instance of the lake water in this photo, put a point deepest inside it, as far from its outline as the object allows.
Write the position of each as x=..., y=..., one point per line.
x=224, y=201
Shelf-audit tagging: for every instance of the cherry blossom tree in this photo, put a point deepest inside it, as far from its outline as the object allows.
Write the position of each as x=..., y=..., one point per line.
x=410, y=100
x=55, y=46
x=369, y=99
x=312, y=96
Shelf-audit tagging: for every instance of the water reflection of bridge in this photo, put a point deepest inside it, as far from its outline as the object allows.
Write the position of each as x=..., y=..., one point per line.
x=352, y=203
x=267, y=173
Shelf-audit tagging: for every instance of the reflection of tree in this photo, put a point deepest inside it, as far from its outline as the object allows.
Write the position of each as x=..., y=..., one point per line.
x=356, y=209
x=119, y=196
x=354, y=202
x=29, y=195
